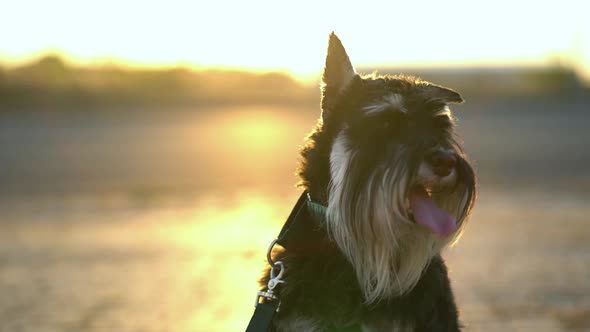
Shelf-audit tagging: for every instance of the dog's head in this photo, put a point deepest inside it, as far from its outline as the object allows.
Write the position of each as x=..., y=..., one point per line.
x=385, y=160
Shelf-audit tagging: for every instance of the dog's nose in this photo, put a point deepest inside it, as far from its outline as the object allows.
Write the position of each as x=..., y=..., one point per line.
x=442, y=162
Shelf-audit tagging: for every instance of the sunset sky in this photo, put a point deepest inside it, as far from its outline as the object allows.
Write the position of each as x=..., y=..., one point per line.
x=292, y=36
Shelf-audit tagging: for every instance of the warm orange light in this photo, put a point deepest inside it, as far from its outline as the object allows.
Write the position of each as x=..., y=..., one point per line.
x=266, y=35
x=226, y=240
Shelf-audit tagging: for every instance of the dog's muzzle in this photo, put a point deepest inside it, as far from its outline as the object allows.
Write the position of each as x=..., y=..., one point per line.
x=442, y=162
x=426, y=212
x=437, y=173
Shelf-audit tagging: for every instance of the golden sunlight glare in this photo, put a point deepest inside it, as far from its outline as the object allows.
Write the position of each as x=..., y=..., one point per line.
x=266, y=35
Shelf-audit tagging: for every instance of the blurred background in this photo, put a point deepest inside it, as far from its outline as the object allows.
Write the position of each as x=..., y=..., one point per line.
x=148, y=149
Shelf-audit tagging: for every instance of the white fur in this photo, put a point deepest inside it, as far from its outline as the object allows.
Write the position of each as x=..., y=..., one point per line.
x=339, y=159
x=374, y=231
x=445, y=111
x=393, y=101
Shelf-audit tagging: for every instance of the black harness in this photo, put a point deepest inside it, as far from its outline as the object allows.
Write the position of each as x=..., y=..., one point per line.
x=302, y=232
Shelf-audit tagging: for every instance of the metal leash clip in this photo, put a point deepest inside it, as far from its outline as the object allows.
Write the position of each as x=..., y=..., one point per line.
x=275, y=279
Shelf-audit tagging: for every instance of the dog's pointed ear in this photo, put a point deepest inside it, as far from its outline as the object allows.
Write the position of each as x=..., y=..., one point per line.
x=338, y=72
x=446, y=95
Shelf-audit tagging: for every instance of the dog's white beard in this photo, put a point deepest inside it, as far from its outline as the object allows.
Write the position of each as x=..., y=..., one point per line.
x=388, y=251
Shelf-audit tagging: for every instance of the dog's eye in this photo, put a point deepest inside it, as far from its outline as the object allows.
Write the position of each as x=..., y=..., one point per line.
x=391, y=120
x=381, y=123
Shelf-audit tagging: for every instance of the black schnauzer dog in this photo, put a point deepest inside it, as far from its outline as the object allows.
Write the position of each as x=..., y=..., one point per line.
x=392, y=185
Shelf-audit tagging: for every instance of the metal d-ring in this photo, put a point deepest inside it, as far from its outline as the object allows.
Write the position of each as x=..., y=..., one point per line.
x=281, y=266
x=268, y=252
x=274, y=279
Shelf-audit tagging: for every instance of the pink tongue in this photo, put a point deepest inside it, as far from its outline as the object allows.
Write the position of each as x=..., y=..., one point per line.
x=428, y=214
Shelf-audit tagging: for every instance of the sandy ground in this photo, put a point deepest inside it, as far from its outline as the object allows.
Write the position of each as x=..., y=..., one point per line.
x=191, y=264
x=159, y=221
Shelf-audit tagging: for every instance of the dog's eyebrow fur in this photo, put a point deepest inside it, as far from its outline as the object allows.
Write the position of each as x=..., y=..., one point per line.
x=445, y=110
x=387, y=103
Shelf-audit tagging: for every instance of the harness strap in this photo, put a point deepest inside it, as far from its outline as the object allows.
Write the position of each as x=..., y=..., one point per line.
x=302, y=232
x=262, y=318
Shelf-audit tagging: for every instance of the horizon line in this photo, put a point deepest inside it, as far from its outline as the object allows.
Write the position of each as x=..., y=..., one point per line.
x=305, y=77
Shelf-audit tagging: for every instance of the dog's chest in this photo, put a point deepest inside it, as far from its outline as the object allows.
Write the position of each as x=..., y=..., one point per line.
x=311, y=325
x=387, y=325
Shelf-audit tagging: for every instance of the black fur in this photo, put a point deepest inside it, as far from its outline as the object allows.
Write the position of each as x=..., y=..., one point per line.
x=322, y=285
x=421, y=96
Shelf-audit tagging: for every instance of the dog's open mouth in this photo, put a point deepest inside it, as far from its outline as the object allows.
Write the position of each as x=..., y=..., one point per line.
x=424, y=211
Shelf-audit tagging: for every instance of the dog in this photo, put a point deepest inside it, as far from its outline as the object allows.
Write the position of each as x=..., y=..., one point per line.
x=396, y=188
